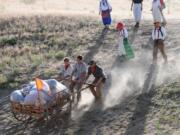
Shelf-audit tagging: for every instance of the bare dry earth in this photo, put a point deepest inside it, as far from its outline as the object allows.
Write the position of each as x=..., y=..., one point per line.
x=124, y=111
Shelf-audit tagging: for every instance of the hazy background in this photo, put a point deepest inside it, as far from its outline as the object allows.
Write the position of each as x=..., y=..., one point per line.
x=121, y=8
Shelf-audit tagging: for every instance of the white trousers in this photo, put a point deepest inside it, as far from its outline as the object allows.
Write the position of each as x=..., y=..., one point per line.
x=137, y=12
x=121, y=50
x=157, y=15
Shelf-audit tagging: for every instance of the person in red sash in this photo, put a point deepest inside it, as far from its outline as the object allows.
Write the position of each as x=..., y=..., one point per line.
x=66, y=71
x=99, y=79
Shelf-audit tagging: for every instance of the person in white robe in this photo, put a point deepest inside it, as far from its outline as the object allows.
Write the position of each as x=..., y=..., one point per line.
x=137, y=7
x=156, y=11
x=123, y=33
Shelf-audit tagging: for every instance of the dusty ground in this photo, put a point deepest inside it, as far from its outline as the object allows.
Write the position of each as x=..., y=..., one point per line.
x=124, y=111
x=35, y=38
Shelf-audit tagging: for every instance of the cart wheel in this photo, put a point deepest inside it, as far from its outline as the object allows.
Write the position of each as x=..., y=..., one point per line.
x=21, y=117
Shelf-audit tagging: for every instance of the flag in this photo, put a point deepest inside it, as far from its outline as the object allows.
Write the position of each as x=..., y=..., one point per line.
x=39, y=84
x=42, y=85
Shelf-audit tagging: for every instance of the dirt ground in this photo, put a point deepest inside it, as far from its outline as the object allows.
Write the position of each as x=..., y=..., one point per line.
x=139, y=99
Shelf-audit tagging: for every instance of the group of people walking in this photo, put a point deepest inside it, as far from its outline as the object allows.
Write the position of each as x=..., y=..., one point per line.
x=158, y=32
x=76, y=75
x=105, y=10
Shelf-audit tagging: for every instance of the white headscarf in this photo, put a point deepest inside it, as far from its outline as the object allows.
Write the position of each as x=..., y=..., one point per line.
x=104, y=5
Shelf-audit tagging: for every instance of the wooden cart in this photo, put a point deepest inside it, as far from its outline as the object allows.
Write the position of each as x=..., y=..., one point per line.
x=60, y=101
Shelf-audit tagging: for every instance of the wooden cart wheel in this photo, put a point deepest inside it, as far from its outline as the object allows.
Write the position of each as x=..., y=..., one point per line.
x=21, y=117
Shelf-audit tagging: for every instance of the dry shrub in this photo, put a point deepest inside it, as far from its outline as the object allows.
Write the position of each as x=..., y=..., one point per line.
x=8, y=41
x=60, y=55
x=3, y=79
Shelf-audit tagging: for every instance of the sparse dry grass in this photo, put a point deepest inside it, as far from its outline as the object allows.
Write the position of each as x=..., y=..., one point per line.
x=42, y=42
x=167, y=102
x=28, y=42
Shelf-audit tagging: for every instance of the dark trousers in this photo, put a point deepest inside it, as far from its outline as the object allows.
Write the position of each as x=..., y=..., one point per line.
x=159, y=44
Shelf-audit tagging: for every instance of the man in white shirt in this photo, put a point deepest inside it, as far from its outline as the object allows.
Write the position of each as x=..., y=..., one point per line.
x=78, y=76
x=66, y=70
x=158, y=36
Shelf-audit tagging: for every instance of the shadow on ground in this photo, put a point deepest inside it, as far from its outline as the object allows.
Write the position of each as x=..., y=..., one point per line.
x=95, y=48
x=138, y=120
